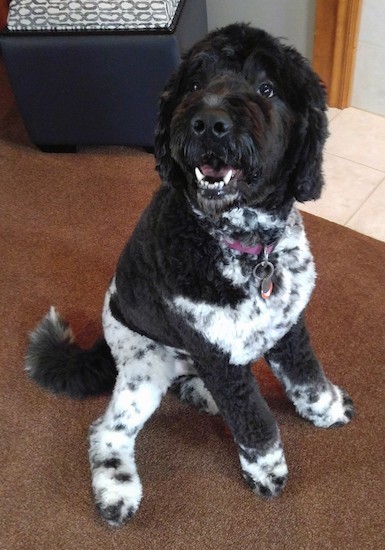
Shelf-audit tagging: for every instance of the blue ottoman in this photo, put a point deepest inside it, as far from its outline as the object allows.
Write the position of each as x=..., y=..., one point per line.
x=90, y=73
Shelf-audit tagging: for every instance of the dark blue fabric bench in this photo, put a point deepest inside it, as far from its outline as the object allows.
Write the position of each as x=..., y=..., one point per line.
x=94, y=77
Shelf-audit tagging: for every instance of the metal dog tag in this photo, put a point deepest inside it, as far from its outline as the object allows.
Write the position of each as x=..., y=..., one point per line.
x=264, y=272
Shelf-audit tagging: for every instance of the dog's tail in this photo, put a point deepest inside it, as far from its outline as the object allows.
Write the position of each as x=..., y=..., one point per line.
x=58, y=364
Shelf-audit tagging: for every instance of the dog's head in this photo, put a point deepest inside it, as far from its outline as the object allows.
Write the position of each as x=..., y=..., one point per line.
x=242, y=122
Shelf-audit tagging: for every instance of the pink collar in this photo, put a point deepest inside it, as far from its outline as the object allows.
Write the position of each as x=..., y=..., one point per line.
x=256, y=250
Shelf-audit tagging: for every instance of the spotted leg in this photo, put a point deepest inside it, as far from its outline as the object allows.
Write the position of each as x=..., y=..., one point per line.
x=313, y=395
x=145, y=371
x=139, y=388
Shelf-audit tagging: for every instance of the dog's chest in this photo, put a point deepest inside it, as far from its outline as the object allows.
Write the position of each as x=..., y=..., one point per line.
x=255, y=324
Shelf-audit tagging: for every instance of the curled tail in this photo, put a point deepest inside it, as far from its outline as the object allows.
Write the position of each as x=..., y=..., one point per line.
x=58, y=364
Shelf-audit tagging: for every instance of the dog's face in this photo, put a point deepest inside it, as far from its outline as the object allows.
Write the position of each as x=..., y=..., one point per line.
x=242, y=123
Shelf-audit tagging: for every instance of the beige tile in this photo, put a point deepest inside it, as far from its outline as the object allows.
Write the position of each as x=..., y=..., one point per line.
x=332, y=112
x=348, y=185
x=370, y=218
x=358, y=136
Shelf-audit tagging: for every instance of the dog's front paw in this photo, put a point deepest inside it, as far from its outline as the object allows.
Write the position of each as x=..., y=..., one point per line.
x=118, y=498
x=265, y=474
x=330, y=407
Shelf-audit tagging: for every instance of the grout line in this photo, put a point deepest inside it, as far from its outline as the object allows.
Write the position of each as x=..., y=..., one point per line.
x=353, y=109
x=365, y=201
x=355, y=162
x=334, y=116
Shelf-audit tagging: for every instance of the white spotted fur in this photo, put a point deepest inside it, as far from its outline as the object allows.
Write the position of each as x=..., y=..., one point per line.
x=265, y=469
x=140, y=386
x=251, y=328
x=326, y=406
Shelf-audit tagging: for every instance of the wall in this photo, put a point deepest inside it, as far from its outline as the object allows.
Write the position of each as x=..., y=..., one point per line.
x=291, y=19
x=369, y=74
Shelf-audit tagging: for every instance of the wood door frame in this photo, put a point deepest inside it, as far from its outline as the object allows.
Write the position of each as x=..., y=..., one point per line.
x=335, y=44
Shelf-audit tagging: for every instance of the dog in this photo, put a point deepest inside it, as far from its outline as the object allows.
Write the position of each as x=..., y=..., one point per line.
x=217, y=273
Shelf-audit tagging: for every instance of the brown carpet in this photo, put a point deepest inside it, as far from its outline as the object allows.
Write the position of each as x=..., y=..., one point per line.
x=63, y=221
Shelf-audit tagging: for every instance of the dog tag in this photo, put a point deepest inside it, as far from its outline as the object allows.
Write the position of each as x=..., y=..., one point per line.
x=266, y=288
x=264, y=272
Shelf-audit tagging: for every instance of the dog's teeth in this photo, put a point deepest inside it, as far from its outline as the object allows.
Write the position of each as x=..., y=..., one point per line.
x=228, y=177
x=203, y=184
x=199, y=175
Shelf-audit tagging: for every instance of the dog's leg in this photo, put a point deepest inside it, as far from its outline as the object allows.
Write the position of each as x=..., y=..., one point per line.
x=192, y=391
x=255, y=431
x=145, y=371
x=188, y=387
x=314, y=396
x=143, y=379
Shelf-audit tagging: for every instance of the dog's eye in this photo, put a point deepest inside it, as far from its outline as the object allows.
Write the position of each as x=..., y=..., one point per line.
x=195, y=86
x=266, y=90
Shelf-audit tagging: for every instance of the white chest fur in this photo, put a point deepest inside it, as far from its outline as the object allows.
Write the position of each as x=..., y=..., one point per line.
x=255, y=325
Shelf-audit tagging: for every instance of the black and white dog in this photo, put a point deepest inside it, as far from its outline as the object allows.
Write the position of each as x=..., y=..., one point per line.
x=217, y=273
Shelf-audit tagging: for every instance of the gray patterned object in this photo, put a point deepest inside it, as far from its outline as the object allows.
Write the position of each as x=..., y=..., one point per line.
x=67, y=15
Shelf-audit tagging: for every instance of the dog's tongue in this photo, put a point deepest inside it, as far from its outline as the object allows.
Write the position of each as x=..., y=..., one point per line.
x=210, y=172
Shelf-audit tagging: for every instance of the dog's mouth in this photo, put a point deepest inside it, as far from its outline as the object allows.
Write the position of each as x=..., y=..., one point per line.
x=217, y=183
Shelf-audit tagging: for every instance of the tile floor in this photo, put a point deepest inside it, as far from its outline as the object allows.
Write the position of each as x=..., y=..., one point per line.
x=354, y=167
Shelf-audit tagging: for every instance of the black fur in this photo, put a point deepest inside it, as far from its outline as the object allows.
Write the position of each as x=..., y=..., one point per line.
x=245, y=57
x=241, y=131
x=59, y=365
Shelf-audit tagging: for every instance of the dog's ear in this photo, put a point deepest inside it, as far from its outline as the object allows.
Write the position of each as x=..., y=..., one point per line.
x=310, y=131
x=165, y=164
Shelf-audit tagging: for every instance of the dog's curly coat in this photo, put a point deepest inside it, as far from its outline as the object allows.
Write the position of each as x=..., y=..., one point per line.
x=241, y=131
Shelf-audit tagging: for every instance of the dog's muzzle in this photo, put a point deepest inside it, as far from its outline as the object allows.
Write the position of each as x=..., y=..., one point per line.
x=214, y=177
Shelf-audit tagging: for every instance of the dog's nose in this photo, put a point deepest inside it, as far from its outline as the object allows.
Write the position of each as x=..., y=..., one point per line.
x=217, y=123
